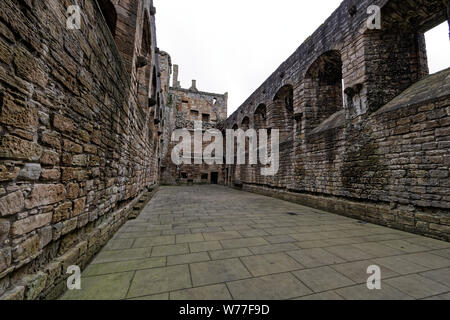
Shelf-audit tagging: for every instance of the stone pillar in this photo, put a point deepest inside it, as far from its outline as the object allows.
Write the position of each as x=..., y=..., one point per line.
x=175, y=83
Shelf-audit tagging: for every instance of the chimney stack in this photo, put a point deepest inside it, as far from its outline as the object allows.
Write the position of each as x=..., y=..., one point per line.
x=194, y=85
x=175, y=83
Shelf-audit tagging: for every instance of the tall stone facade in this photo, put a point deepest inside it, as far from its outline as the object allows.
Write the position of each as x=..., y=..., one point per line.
x=83, y=128
x=364, y=131
x=190, y=106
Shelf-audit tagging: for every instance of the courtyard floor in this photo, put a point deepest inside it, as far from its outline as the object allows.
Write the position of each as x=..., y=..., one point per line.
x=216, y=243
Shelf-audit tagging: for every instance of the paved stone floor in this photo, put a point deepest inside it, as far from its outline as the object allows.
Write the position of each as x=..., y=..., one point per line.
x=212, y=242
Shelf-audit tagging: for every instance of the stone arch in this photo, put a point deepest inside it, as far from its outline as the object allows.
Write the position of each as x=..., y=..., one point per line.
x=245, y=124
x=323, y=88
x=398, y=56
x=260, y=117
x=109, y=13
x=282, y=112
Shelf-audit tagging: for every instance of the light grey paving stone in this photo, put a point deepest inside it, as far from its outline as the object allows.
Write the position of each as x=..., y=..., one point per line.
x=328, y=295
x=160, y=296
x=214, y=292
x=187, y=258
x=230, y=253
x=428, y=242
x=119, y=244
x=154, y=241
x=104, y=287
x=417, y=286
x=323, y=279
x=314, y=244
x=428, y=260
x=357, y=271
x=400, y=265
x=279, y=231
x=301, y=237
x=205, y=246
x=188, y=238
x=445, y=296
x=122, y=255
x=170, y=250
x=315, y=257
x=134, y=235
x=404, y=246
x=260, y=265
x=377, y=250
x=273, y=287
x=159, y=280
x=243, y=243
x=349, y=253
x=123, y=266
x=226, y=235
x=205, y=273
x=361, y=292
x=441, y=275
x=442, y=252
x=273, y=248
x=279, y=239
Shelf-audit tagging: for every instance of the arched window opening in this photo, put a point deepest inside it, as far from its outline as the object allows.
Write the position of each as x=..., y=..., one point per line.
x=283, y=112
x=399, y=53
x=438, y=48
x=245, y=125
x=109, y=13
x=323, y=88
x=260, y=117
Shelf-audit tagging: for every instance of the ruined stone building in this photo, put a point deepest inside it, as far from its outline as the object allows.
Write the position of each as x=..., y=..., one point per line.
x=87, y=115
x=364, y=130
x=191, y=105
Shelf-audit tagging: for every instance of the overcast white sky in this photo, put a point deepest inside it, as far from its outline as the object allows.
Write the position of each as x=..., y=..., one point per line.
x=234, y=45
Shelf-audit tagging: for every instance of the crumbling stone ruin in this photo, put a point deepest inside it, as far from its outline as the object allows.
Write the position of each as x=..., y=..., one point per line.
x=192, y=105
x=364, y=130
x=86, y=118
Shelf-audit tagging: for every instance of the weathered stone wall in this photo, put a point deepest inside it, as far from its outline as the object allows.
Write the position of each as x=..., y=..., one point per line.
x=362, y=132
x=78, y=138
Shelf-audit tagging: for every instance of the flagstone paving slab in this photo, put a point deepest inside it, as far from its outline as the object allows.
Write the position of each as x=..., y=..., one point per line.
x=159, y=280
x=268, y=288
x=260, y=265
x=105, y=287
x=205, y=273
x=323, y=279
x=214, y=292
x=212, y=242
x=123, y=266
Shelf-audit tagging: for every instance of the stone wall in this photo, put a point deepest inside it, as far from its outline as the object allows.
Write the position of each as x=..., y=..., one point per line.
x=79, y=137
x=363, y=130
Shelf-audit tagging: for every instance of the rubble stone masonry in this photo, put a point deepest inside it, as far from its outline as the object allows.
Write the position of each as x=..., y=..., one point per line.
x=364, y=131
x=81, y=136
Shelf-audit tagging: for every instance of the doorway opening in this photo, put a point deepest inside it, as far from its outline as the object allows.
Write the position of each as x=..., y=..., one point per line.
x=214, y=177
